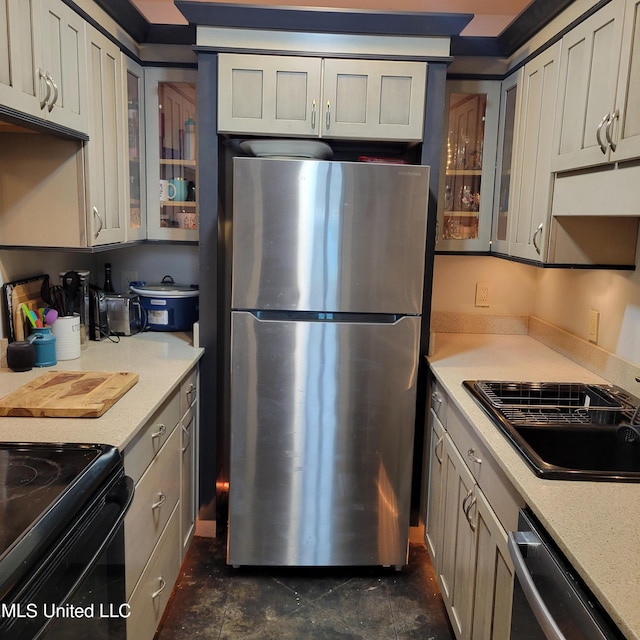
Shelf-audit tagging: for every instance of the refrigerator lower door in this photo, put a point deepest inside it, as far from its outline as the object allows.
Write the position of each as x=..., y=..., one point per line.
x=322, y=423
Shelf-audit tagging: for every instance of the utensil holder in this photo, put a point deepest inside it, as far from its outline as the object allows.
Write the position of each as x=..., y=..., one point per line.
x=45, y=343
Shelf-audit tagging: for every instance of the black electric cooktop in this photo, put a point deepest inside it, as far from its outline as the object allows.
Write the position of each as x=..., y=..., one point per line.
x=42, y=488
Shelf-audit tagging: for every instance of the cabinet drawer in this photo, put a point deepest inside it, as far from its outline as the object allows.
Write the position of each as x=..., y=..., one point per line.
x=188, y=391
x=156, y=495
x=152, y=592
x=495, y=485
x=151, y=437
x=439, y=401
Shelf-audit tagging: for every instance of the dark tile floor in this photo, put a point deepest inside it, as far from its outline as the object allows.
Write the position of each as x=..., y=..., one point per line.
x=215, y=601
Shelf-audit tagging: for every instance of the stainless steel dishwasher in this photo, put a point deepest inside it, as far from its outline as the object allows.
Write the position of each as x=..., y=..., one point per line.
x=549, y=600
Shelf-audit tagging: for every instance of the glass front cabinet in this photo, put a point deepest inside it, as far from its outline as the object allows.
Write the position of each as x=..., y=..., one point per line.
x=465, y=202
x=134, y=86
x=171, y=154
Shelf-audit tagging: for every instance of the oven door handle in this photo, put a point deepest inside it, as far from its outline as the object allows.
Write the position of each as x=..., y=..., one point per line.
x=516, y=542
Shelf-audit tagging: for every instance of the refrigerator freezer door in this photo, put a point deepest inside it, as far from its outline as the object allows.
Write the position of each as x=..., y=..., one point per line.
x=321, y=441
x=313, y=235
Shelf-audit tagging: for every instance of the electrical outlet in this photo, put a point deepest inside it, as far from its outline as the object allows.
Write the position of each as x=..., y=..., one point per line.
x=126, y=278
x=482, y=294
x=594, y=325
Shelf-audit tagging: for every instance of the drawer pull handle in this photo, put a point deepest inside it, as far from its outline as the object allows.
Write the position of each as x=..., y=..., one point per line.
x=162, y=498
x=163, y=585
x=436, y=399
x=160, y=432
x=471, y=454
x=191, y=391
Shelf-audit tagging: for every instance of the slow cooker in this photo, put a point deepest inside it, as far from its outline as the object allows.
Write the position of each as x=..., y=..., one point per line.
x=168, y=306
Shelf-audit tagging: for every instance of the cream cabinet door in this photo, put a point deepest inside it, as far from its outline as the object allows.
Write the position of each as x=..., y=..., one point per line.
x=269, y=94
x=588, y=75
x=626, y=124
x=18, y=55
x=43, y=62
x=105, y=151
x=435, y=493
x=530, y=225
x=494, y=573
x=376, y=100
x=458, y=553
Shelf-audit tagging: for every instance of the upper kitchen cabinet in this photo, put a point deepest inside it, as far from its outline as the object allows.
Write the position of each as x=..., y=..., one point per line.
x=503, y=210
x=466, y=195
x=137, y=209
x=314, y=97
x=43, y=62
x=105, y=151
x=171, y=122
x=532, y=180
x=598, y=108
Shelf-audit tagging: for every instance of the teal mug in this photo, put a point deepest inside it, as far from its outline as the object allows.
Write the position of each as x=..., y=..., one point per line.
x=181, y=189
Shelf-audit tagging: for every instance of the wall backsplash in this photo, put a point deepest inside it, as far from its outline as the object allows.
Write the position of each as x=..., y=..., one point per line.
x=150, y=262
x=561, y=297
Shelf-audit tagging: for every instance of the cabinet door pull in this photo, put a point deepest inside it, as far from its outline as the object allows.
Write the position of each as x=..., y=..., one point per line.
x=464, y=502
x=327, y=119
x=467, y=513
x=313, y=114
x=471, y=454
x=160, y=432
x=607, y=132
x=440, y=444
x=601, y=144
x=162, y=498
x=191, y=391
x=96, y=214
x=162, y=586
x=186, y=438
x=53, y=100
x=536, y=235
x=44, y=76
x=436, y=399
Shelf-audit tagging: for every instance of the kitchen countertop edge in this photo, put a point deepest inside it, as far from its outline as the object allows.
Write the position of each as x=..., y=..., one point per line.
x=161, y=360
x=595, y=524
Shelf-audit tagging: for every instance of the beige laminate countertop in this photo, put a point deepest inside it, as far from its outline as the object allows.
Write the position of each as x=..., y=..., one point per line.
x=596, y=524
x=161, y=359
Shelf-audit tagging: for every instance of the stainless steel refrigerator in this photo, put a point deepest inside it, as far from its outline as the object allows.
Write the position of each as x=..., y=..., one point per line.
x=327, y=284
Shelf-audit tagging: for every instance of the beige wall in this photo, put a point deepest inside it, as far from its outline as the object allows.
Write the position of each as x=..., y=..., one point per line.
x=562, y=297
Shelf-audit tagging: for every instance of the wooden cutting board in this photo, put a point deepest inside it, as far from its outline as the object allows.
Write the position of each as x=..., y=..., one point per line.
x=68, y=394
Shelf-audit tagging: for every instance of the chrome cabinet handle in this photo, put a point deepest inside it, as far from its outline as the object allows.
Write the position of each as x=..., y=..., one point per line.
x=440, y=444
x=327, y=119
x=45, y=76
x=160, y=432
x=162, y=498
x=191, y=391
x=313, y=114
x=537, y=233
x=96, y=214
x=607, y=132
x=601, y=144
x=436, y=399
x=467, y=497
x=186, y=438
x=53, y=100
x=163, y=585
x=471, y=454
x=467, y=513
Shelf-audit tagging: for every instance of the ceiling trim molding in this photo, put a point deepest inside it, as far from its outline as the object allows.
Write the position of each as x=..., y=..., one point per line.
x=323, y=20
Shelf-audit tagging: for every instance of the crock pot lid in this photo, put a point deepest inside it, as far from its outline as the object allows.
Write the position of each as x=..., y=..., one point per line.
x=164, y=290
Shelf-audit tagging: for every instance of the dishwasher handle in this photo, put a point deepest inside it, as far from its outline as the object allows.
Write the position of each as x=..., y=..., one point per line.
x=515, y=542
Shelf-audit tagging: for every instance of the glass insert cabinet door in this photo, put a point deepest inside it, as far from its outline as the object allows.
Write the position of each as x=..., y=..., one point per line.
x=469, y=152
x=172, y=123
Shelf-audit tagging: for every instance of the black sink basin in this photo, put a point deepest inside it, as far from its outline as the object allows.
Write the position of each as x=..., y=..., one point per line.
x=570, y=431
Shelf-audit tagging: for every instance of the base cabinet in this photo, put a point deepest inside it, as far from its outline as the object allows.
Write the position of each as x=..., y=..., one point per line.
x=160, y=523
x=471, y=505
